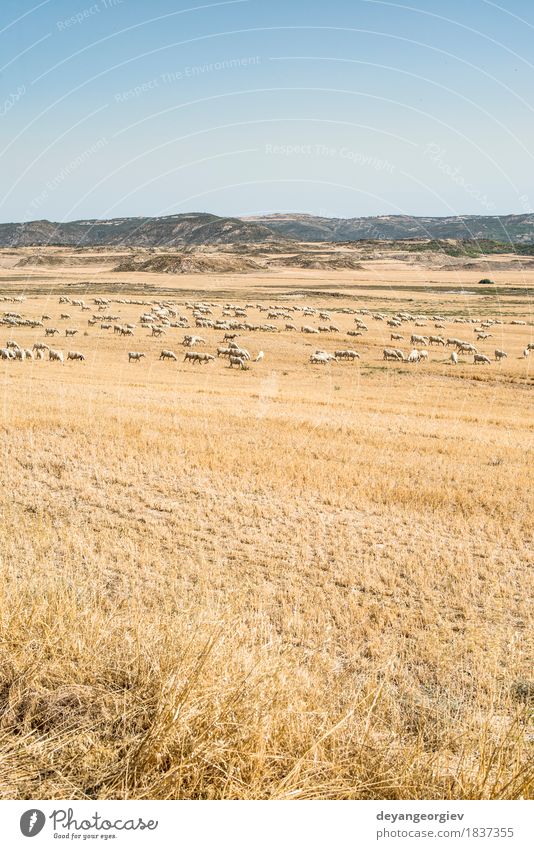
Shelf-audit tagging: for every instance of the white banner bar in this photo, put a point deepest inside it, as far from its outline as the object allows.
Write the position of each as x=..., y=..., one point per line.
x=264, y=825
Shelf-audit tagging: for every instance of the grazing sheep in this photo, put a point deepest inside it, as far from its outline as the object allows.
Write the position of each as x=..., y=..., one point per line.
x=225, y=352
x=454, y=358
x=69, y=332
x=260, y=357
x=307, y=329
x=19, y=354
x=6, y=354
x=126, y=331
x=40, y=346
x=346, y=355
x=423, y=355
x=40, y=354
x=322, y=358
x=530, y=346
x=481, y=358
x=50, y=331
x=236, y=361
x=168, y=355
x=75, y=355
x=396, y=337
x=466, y=348
x=157, y=331
x=135, y=356
x=29, y=353
x=500, y=355
x=189, y=341
x=436, y=340
x=196, y=357
x=55, y=356
x=391, y=354
x=413, y=356
x=526, y=352
x=64, y=316
x=354, y=333
x=228, y=337
x=418, y=340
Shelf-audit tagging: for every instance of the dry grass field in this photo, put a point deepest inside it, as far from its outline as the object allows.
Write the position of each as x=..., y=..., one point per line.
x=295, y=581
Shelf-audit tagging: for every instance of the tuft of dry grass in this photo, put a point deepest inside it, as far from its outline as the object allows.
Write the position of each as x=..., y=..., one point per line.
x=289, y=583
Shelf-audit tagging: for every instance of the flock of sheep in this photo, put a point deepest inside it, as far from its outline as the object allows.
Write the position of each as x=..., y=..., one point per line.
x=161, y=317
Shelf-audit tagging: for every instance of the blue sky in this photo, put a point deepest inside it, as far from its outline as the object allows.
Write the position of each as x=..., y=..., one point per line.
x=112, y=108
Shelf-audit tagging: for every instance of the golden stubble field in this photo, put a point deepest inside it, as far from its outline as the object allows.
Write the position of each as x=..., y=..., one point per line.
x=289, y=582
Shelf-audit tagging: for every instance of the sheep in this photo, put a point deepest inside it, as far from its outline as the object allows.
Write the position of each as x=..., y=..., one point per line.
x=168, y=355
x=396, y=337
x=530, y=346
x=6, y=354
x=290, y=327
x=259, y=357
x=322, y=357
x=135, y=356
x=189, y=341
x=305, y=328
x=75, y=355
x=526, y=352
x=229, y=337
x=481, y=358
x=40, y=346
x=413, y=356
x=418, y=340
x=454, y=358
x=12, y=344
x=390, y=354
x=500, y=355
x=55, y=356
x=196, y=357
x=126, y=331
x=241, y=352
x=483, y=336
x=29, y=353
x=346, y=355
x=224, y=352
x=354, y=333
x=64, y=316
x=423, y=355
x=158, y=331
x=50, y=331
x=19, y=354
x=40, y=354
x=237, y=361
x=436, y=340
x=466, y=348
x=70, y=332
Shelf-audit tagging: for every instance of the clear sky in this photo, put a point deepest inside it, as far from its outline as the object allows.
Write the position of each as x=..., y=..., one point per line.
x=341, y=108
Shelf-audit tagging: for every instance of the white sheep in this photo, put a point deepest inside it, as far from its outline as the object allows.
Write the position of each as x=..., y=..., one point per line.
x=500, y=355
x=481, y=358
x=55, y=356
x=260, y=357
x=135, y=356
x=454, y=358
x=168, y=355
x=75, y=355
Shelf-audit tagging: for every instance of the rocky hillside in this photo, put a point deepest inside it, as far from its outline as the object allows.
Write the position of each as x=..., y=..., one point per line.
x=507, y=228
x=205, y=229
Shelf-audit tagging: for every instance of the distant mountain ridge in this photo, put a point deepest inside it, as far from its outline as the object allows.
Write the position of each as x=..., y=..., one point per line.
x=201, y=228
x=513, y=228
